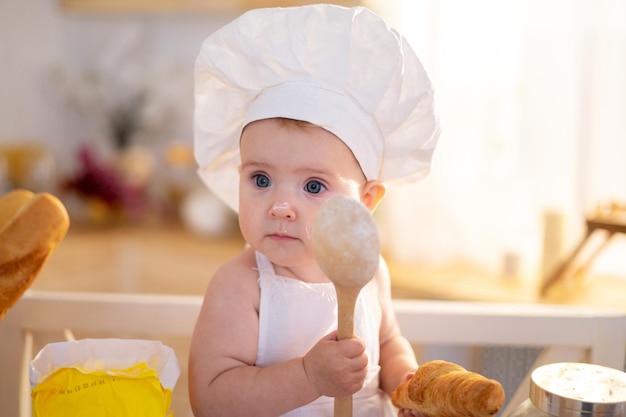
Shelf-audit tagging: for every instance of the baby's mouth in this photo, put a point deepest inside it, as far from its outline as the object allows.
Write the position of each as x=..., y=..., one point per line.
x=281, y=236
x=281, y=232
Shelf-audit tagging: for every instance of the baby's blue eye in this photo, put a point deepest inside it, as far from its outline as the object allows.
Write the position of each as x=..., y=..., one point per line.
x=314, y=187
x=262, y=181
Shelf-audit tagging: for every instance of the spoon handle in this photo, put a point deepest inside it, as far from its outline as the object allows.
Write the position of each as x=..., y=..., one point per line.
x=346, y=302
x=343, y=406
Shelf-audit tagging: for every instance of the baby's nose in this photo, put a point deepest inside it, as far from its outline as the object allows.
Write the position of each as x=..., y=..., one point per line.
x=282, y=211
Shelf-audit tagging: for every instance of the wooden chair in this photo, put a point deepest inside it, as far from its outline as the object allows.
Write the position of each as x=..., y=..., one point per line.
x=609, y=222
x=566, y=333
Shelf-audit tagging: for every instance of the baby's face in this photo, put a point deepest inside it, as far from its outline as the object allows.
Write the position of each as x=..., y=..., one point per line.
x=288, y=170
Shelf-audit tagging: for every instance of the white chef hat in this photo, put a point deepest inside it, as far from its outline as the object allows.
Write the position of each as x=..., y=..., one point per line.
x=343, y=69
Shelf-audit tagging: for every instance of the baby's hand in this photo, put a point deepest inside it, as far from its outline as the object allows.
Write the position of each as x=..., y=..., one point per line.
x=409, y=413
x=336, y=368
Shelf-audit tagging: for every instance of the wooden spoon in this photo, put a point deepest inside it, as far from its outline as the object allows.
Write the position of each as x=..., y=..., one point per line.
x=347, y=249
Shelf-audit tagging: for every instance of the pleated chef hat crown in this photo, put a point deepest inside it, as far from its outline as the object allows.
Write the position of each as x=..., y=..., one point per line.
x=343, y=69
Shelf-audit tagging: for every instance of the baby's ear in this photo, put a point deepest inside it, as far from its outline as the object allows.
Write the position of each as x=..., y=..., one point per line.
x=373, y=192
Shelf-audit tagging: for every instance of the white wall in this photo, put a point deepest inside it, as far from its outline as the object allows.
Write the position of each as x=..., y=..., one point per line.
x=38, y=36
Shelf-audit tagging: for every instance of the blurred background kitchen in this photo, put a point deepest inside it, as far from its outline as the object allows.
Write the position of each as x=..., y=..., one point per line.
x=97, y=102
x=96, y=106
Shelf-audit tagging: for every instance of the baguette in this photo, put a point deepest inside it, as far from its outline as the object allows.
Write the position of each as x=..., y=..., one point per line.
x=31, y=226
x=443, y=389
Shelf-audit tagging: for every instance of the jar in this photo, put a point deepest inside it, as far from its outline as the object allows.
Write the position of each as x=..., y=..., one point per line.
x=575, y=390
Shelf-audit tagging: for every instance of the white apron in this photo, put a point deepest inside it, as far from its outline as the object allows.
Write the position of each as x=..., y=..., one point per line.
x=295, y=315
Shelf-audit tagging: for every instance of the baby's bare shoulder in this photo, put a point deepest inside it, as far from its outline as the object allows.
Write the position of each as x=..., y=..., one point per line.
x=239, y=275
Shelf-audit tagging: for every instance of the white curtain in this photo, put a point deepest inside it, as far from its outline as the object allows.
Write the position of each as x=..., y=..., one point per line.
x=531, y=96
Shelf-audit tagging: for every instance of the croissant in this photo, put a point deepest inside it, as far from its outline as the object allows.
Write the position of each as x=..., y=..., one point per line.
x=31, y=226
x=443, y=389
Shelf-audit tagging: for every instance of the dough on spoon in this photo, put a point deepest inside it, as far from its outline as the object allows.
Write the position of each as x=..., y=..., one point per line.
x=346, y=241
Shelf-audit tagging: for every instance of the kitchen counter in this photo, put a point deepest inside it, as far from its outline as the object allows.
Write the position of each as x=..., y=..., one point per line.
x=156, y=260
x=171, y=260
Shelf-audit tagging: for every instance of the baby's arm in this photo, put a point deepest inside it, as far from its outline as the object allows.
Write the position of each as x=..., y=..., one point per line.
x=222, y=377
x=397, y=359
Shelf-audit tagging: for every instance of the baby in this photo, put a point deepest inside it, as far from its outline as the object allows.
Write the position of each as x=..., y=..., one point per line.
x=294, y=106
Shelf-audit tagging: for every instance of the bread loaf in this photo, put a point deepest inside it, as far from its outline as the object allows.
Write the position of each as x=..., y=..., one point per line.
x=443, y=389
x=31, y=226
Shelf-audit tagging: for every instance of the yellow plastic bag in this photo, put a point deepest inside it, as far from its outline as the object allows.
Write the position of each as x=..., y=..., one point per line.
x=103, y=377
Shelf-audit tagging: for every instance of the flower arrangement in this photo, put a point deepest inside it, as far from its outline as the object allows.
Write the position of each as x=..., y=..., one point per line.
x=124, y=105
x=130, y=110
